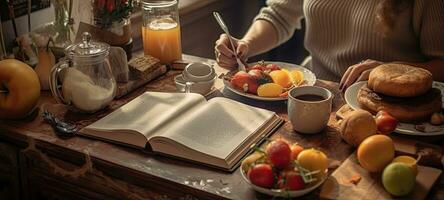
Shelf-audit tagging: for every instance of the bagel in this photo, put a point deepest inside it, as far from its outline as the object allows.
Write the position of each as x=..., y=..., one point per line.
x=413, y=109
x=399, y=80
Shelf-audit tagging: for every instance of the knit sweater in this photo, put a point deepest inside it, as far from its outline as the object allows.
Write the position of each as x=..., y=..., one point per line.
x=340, y=33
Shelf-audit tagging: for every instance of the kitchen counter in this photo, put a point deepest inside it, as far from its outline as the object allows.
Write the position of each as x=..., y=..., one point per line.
x=35, y=163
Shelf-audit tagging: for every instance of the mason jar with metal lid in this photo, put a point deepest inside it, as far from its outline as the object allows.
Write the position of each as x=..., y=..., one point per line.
x=88, y=84
x=161, y=30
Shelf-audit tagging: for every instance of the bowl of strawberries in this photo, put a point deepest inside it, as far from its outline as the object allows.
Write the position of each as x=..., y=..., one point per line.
x=285, y=170
x=268, y=81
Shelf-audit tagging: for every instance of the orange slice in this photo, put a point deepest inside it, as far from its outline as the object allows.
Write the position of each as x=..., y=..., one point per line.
x=281, y=77
x=297, y=77
x=269, y=90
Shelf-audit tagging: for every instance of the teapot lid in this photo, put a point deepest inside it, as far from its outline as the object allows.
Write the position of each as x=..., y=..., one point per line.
x=87, y=48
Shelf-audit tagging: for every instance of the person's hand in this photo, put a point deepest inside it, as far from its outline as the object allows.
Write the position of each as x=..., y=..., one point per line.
x=225, y=56
x=358, y=72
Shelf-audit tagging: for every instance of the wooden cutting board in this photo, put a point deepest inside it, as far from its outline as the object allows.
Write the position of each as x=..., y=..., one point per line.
x=431, y=155
x=339, y=185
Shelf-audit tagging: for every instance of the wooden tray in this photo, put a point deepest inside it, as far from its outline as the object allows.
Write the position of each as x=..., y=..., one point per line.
x=134, y=81
x=339, y=186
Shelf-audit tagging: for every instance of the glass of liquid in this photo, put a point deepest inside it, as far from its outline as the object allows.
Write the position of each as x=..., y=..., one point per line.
x=161, y=30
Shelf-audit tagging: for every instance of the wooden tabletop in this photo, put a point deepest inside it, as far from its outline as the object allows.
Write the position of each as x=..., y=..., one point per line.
x=160, y=175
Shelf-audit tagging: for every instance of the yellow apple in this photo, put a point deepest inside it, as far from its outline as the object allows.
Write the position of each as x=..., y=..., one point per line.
x=20, y=89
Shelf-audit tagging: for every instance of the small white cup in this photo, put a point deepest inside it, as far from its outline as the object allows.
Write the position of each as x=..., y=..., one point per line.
x=197, y=78
x=198, y=72
x=309, y=116
x=203, y=87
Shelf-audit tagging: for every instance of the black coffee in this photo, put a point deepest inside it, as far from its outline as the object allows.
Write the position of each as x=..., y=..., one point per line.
x=310, y=97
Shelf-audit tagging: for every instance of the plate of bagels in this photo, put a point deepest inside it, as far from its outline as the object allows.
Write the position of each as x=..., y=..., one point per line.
x=407, y=93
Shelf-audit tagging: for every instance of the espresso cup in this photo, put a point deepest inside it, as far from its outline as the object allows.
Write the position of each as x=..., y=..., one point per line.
x=198, y=72
x=309, y=108
x=202, y=87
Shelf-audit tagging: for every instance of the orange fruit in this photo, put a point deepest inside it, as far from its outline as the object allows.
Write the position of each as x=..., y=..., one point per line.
x=376, y=152
x=281, y=77
x=296, y=149
x=312, y=160
x=269, y=90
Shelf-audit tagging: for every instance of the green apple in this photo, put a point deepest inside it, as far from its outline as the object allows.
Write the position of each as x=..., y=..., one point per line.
x=398, y=179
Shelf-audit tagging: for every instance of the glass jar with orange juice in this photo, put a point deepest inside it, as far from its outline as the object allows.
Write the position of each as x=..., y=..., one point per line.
x=161, y=30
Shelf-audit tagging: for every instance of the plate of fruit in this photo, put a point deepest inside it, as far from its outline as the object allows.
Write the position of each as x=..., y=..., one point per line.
x=284, y=170
x=268, y=81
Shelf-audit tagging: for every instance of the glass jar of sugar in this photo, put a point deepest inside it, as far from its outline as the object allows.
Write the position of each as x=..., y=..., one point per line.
x=88, y=84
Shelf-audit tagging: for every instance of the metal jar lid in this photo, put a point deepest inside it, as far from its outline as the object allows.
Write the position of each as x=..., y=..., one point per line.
x=87, y=48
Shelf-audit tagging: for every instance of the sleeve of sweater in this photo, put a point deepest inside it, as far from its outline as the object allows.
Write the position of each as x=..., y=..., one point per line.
x=284, y=15
x=431, y=32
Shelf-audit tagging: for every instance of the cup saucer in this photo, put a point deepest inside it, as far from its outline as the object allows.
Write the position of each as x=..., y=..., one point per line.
x=202, y=87
x=198, y=72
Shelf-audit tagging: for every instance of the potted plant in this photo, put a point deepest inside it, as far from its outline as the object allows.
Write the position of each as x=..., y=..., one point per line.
x=112, y=18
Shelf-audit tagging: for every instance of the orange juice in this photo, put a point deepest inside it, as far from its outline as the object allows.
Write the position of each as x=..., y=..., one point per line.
x=161, y=39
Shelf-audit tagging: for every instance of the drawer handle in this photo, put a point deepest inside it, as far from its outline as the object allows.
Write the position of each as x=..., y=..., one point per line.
x=81, y=171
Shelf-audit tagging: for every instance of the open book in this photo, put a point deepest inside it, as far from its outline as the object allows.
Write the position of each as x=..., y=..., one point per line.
x=218, y=132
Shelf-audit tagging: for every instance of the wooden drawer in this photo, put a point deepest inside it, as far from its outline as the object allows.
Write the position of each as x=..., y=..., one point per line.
x=9, y=172
x=40, y=181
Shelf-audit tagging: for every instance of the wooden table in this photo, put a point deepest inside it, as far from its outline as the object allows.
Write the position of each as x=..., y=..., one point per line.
x=116, y=172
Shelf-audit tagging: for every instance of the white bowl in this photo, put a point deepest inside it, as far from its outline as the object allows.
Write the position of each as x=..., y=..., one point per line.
x=280, y=192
